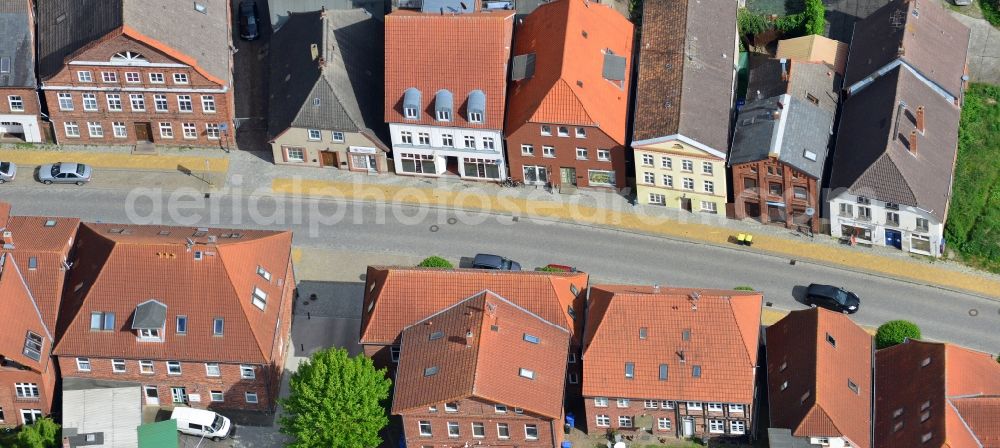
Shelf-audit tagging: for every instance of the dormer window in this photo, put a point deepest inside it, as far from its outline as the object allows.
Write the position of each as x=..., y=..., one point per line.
x=477, y=106
x=148, y=320
x=411, y=104
x=443, y=105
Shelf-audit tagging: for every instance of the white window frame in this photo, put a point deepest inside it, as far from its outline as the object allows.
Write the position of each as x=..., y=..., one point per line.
x=489, y=143
x=84, y=76
x=649, y=177
x=146, y=368
x=650, y=404
x=109, y=77
x=657, y=198
x=448, y=140
x=212, y=131
x=482, y=430
x=16, y=103
x=475, y=117
x=185, y=104
x=737, y=427
x=708, y=186
x=600, y=402
x=602, y=421
x=410, y=113
x=527, y=150
x=687, y=165
x=714, y=407
x=208, y=104
x=625, y=421
x=89, y=102
x=189, y=130
x=581, y=153
x=622, y=402
x=470, y=142
x=707, y=168
x=667, y=163
x=545, y=130
x=668, y=181
x=251, y=397
x=604, y=155
x=647, y=160
x=212, y=369
x=83, y=365
x=65, y=101
x=694, y=406
x=114, y=101
x=137, y=102
x=337, y=136
x=688, y=183
x=716, y=426
x=181, y=78
x=133, y=77
x=562, y=131
x=506, y=429
x=119, y=130
x=26, y=390
x=548, y=151
x=212, y=395
x=118, y=366
x=244, y=368
x=166, y=129
x=259, y=298
x=736, y=408
x=160, y=103
x=528, y=429
x=663, y=424
x=71, y=129
x=451, y=407
x=95, y=129
x=425, y=424
x=173, y=365
x=454, y=430
x=667, y=404
x=581, y=132
x=500, y=408
x=156, y=78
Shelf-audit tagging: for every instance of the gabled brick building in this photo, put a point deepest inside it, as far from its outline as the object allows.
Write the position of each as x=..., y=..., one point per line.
x=674, y=362
x=396, y=297
x=33, y=262
x=569, y=95
x=199, y=317
x=482, y=371
x=936, y=395
x=137, y=71
x=19, y=108
x=819, y=374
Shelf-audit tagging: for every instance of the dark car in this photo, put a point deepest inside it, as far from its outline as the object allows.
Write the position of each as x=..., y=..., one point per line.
x=487, y=261
x=249, y=23
x=833, y=298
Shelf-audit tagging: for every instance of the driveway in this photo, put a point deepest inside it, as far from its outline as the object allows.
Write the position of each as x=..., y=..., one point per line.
x=984, y=49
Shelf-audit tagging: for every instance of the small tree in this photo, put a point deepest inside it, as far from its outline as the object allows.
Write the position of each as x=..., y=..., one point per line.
x=435, y=261
x=548, y=269
x=895, y=332
x=41, y=434
x=335, y=401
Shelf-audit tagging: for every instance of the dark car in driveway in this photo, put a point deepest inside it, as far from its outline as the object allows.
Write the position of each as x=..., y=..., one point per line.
x=249, y=20
x=833, y=298
x=495, y=262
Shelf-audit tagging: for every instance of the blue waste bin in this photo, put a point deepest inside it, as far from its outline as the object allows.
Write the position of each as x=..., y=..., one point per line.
x=567, y=444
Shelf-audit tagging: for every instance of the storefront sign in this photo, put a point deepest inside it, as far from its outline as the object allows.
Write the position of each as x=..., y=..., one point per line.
x=362, y=150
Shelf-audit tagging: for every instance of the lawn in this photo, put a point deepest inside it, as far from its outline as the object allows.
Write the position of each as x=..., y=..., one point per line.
x=973, y=227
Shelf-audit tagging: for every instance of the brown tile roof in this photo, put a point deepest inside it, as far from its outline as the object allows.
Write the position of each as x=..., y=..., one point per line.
x=873, y=158
x=686, y=74
x=931, y=41
x=460, y=53
x=49, y=246
x=722, y=338
x=19, y=314
x=488, y=365
x=569, y=39
x=802, y=79
x=399, y=296
x=814, y=48
x=801, y=360
x=944, y=381
x=121, y=266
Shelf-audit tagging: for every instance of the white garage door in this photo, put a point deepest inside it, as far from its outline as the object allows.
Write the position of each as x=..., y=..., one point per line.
x=9, y=127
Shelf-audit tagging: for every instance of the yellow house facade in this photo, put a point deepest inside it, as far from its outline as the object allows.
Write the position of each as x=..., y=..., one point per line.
x=680, y=173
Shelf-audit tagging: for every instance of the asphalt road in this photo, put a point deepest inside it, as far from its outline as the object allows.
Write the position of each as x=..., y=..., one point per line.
x=609, y=255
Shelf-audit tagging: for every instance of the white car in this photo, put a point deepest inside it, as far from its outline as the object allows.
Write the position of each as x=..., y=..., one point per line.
x=202, y=423
x=8, y=171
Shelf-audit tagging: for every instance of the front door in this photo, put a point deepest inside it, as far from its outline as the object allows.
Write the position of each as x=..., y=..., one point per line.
x=894, y=238
x=178, y=395
x=152, y=396
x=688, y=427
x=752, y=209
x=451, y=166
x=329, y=158
x=143, y=132
x=567, y=176
x=686, y=204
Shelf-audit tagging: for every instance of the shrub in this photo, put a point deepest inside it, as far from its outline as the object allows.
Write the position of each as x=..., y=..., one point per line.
x=750, y=23
x=41, y=434
x=991, y=11
x=895, y=332
x=743, y=288
x=815, y=17
x=435, y=261
x=548, y=269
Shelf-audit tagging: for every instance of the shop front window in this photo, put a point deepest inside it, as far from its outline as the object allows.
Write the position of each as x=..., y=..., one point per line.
x=417, y=163
x=482, y=168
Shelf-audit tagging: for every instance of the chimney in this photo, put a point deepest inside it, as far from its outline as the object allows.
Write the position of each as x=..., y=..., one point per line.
x=913, y=142
x=7, y=239
x=468, y=338
x=901, y=51
x=784, y=70
x=920, y=119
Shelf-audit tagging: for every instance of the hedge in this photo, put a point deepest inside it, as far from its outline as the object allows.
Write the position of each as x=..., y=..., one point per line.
x=435, y=261
x=895, y=332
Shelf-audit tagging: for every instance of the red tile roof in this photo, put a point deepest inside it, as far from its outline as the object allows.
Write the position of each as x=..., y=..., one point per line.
x=956, y=387
x=19, y=314
x=460, y=53
x=399, y=296
x=569, y=39
x=121, y=266
x=49, y=246
x=479, y=350
x=722, y=329
x=800, y=360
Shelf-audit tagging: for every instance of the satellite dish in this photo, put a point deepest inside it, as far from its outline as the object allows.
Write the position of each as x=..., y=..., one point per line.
x=810, y=211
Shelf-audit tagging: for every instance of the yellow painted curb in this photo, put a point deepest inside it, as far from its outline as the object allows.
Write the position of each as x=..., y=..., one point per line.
x=194, y=164
x=920, y=272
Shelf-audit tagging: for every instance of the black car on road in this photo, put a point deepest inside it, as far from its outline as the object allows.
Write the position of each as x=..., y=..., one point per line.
x=496, y=262
x=249, y=21
x=833, y=298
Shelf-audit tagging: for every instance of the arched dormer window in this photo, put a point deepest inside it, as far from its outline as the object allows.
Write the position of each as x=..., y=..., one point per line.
x=128, y=56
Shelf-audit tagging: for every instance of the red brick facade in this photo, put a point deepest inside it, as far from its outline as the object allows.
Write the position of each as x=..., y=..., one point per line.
x=469, y=416
x=27, y=98
x=565, y=153
x=159, y=80
x=755, y=185
x=665, y=418
x=11, y=404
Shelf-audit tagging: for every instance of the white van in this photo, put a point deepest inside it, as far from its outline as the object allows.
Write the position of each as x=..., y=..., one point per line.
x=202, y=423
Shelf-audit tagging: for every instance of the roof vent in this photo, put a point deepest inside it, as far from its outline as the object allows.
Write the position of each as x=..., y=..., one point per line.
x=656, y=288
x=695, y=295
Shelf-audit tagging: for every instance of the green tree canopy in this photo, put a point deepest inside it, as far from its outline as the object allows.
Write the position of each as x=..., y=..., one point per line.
x=336, y=401
x=895, y=332
x=43, y=433
x=435, y=261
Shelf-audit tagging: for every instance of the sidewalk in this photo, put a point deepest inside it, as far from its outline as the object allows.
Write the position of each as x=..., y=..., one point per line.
x=180, y=160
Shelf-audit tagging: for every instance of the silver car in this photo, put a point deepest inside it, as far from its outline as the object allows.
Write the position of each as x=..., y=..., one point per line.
x=64, y=173
x=8, y=171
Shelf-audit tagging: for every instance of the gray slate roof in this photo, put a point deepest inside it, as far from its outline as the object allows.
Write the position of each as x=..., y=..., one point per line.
x=16, y=45
x=67, y=26
x=348, y=85
x=763, y=130
x=872, y=157
x=280, y=10
x=804, y=79
x=149, y=315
